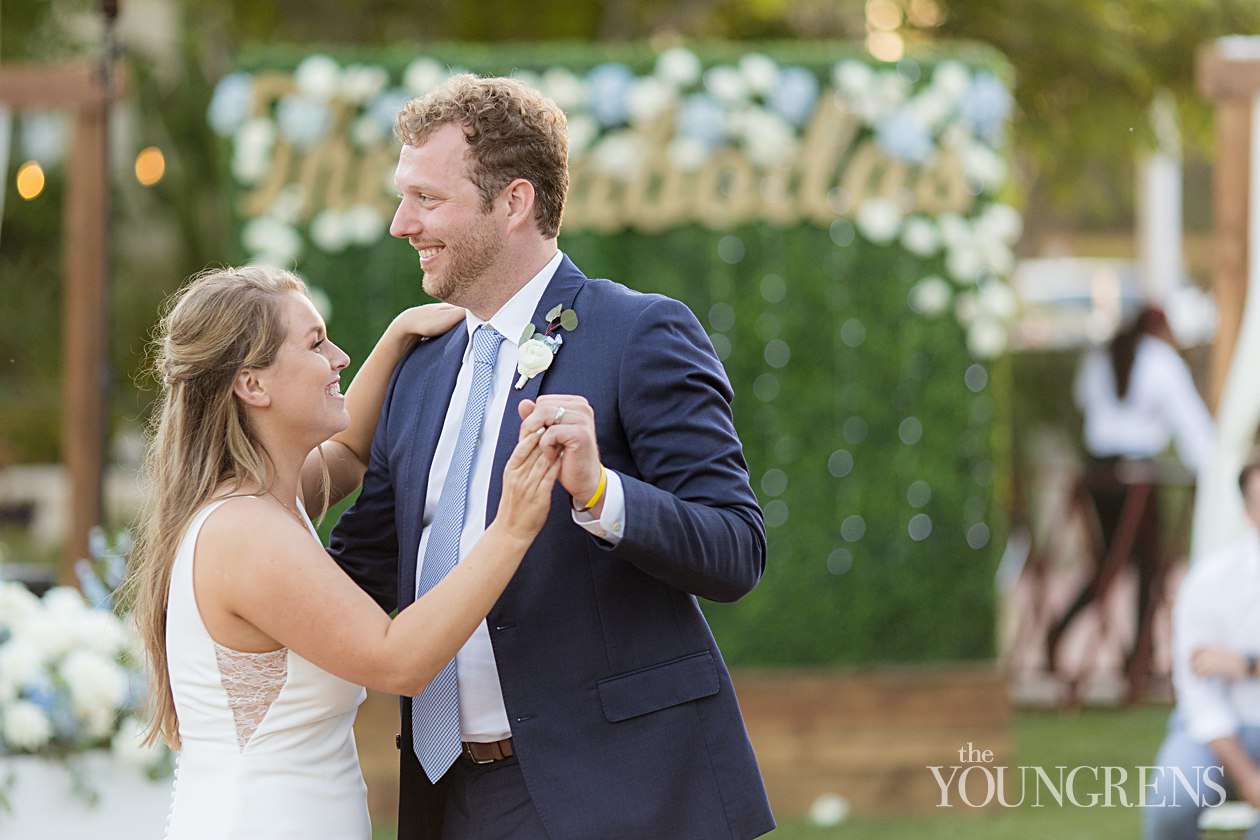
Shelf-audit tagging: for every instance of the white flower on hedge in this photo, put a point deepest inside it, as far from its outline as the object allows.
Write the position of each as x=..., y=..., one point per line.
x=726, y=84
x=678, y=66
x=997, y=300
x=879, y=220
x=930, y=107
x=920, y=236
x=564, y=88
x=423, y=75
x=852, y=78
x=955, y=231
x=956, y=137
x=366, y=131
x=303, y=120
x=982, y=166
x=893, y=88
x=528, y=78
x=252, y=150
x=1002, y=222
x=287, y=205
x=828, y=810
x=361, y=82
x=952, y=79
x=930, y=296
x=967, y=308
x=687, y=153
x=17, y=604
x=320, y=300
x=582, y=132
x=964, y=261
x=317, y=77
x=986, y=338
x=365, y=224
x=330, y=231
x=26, y=727
x=65, y=603
x=98, y=685
x=767, y=138
x=48, y=634
x=269, y=235
x=998, y=257
x=620, y=154
x=760, y=73
x=649, y=96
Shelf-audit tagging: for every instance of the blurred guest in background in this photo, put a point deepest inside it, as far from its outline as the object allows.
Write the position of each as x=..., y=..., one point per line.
x=1216, y=641
x=1136, y=395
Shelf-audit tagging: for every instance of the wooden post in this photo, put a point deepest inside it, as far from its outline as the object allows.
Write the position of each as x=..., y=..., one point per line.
x=1232, y=83
x=81, y=88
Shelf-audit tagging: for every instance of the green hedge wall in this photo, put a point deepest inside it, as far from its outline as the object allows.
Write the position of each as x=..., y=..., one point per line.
x=875, y=442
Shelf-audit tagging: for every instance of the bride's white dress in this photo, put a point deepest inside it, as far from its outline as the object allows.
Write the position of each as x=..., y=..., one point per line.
x=267, y=746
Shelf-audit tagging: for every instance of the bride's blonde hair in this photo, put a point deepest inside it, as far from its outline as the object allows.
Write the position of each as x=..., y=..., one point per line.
x=221, y=321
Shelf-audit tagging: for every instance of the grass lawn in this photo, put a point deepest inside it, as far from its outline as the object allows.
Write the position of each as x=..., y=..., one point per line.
x=1125, y=738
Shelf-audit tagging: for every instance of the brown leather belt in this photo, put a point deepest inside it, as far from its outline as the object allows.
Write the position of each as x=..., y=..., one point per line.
x=489, y=753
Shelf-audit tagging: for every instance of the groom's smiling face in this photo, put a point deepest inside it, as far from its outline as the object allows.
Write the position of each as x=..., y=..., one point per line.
x=441, y=214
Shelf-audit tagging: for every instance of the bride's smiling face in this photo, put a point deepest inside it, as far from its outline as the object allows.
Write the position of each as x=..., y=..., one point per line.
x=304, y=381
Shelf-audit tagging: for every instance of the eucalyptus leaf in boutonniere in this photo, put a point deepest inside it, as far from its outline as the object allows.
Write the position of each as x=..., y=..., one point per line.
x=536, y=349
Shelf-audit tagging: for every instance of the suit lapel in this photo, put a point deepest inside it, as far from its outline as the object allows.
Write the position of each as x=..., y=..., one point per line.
x=562, y=289
x=431, y=406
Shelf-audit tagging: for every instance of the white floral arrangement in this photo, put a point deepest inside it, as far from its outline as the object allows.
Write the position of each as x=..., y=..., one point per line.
x=915, y=113
x=72, y=676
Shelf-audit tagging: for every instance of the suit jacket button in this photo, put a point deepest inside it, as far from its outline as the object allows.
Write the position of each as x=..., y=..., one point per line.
x=398, y=740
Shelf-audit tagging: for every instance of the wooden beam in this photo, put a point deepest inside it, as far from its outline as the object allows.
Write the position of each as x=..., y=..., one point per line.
x=1224, y=77
x=84, y=329
x=1229, y=273
x=44, y=86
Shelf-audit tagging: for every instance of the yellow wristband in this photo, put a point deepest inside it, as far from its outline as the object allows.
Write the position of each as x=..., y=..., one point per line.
x=599, y=490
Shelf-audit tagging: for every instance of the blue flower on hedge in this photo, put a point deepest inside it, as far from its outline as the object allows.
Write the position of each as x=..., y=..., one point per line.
x=231, y=103
x=304, y=121
x=904, y=137
x=986, y=106
x=794, y=94
x=701, y=117
x=63, y=721
x=608, y=93
x=385, y=107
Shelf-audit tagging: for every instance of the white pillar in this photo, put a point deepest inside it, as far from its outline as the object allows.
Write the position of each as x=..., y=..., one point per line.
x=1218, y=511
x=1159, y=204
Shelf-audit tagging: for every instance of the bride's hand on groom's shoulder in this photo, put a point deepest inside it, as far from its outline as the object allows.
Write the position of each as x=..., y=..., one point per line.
x=427, y=321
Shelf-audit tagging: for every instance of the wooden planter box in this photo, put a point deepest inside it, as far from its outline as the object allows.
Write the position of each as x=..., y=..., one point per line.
x=868, y=735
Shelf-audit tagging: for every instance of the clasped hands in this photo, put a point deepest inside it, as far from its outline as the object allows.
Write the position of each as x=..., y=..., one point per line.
x=567, y=422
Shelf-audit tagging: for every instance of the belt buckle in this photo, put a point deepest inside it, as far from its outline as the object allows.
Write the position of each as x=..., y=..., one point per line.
x=471, y=756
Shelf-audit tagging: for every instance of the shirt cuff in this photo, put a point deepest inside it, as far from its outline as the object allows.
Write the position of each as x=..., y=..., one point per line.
x=611, y=523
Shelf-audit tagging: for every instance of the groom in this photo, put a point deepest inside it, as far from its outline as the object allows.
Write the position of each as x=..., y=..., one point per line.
x=593, y=703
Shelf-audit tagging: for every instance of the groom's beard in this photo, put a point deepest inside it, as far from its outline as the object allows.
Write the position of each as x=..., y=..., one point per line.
x=469, y=264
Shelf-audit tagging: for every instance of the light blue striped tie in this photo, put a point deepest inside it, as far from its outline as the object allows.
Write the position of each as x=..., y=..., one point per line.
x=435, y=713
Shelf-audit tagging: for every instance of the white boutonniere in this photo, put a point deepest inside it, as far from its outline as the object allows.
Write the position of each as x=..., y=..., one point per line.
x=536, y=349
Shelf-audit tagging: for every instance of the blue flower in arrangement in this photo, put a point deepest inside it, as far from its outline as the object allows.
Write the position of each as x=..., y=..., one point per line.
x=794, y=94
x=303, y=120
x=904, y=137
x=701, y=117
x=986, y=106
x=608, y=93
x=385, y=107
x=231, y=103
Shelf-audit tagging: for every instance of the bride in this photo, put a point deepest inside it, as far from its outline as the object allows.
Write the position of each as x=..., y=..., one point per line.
x=259, y=643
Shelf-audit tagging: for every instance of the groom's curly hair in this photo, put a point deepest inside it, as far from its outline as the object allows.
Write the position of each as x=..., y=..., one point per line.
x=513, y=131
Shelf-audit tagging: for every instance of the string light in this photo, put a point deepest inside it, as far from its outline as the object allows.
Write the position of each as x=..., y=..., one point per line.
x=150, y=166
x=30, y=180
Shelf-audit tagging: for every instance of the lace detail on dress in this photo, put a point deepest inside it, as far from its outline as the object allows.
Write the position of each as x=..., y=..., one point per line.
x=252, y=681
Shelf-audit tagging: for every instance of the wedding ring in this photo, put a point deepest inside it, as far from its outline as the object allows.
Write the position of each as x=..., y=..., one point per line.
x=559, y=415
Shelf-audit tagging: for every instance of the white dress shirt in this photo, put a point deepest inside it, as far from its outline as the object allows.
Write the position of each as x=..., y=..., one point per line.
x=1161, y=404
x=1218, y=606
x=482, y=714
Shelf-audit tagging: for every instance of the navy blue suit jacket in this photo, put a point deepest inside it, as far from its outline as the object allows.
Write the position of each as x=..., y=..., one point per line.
x=621, y=708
